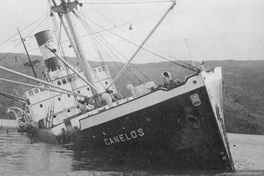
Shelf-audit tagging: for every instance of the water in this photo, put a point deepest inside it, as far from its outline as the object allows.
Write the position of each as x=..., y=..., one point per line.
x=18, y=156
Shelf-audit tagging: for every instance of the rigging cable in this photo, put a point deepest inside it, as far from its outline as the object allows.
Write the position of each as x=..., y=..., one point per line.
x=20, y=41
x=124, y=58
x=116, y=57
x=130, y=34
x=23, y=29
x=189, y=67
x=110, y=55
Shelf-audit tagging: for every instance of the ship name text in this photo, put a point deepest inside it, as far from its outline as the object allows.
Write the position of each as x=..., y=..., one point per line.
x=124, y=137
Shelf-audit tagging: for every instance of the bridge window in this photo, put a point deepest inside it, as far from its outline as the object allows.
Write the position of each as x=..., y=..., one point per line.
x=99, y=69
x=104, y=68
x=36, y=91
x=58, y=82
x=30, y=93
x=59, y=99
x=73, y=77
x=41, y=105
x=47, y=86
x=64, y=81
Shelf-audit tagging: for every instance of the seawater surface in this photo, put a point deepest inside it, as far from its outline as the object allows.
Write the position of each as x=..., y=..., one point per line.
x=20, y=156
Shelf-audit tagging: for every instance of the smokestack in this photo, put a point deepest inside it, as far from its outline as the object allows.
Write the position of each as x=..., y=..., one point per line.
x=44, y=39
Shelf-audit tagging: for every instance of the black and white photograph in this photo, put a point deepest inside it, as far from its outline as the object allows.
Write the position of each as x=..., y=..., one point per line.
x=131, y=87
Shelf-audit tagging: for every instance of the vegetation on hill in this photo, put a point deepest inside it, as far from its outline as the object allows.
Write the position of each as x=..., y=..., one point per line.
x=243, y=86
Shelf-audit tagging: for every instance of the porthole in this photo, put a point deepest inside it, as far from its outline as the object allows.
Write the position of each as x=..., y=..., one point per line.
x=193, y=121
x=64, y=81
x=36, y=91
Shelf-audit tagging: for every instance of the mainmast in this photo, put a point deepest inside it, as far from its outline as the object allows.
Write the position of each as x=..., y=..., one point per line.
x=65, y=8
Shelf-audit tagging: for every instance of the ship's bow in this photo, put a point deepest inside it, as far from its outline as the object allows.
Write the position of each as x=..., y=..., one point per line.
x=214, y=84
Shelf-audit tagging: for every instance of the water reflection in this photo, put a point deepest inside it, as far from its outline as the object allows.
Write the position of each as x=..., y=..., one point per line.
x=19, y=156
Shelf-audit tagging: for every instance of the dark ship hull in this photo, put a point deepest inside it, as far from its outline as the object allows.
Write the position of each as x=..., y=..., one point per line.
x=181, y=132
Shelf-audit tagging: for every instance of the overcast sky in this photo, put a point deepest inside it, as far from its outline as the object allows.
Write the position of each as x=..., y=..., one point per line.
x=214, y=29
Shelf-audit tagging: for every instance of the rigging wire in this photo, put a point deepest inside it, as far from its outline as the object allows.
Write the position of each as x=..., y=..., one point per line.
x=130, y=34
x=117, y=57
x=190, y=67
x=37, y=25
x=10, y=51
x=20, y=41
x=91, y=36
x=105, y=46
x=126, y=59
x=111, y=28
x=23, y=29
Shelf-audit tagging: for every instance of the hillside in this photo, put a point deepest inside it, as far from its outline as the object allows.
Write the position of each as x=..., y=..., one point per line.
x=243, y=87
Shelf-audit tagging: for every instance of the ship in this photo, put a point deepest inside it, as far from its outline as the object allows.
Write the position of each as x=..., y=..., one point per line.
x=177, y=125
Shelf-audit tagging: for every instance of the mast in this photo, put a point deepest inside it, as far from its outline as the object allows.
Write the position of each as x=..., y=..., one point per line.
x=30, y=62
x=65, y=8
x=64, y=26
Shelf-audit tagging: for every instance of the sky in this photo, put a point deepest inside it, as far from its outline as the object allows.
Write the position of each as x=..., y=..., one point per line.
x=213, y=29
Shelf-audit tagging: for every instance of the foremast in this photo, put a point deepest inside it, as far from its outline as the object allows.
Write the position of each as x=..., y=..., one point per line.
x=65, y=8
